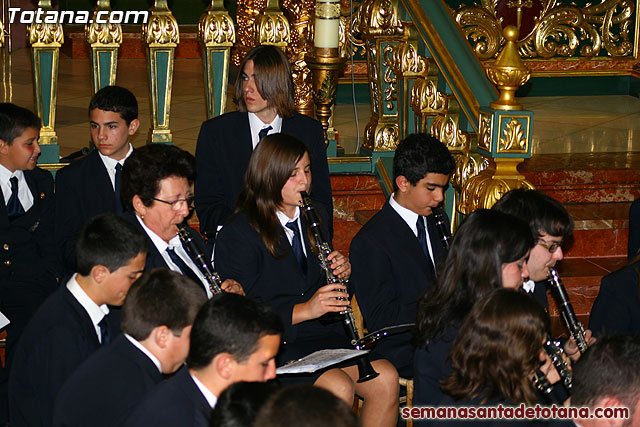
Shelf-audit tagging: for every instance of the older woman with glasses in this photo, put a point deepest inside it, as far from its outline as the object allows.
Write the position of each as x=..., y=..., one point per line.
x=156, y=191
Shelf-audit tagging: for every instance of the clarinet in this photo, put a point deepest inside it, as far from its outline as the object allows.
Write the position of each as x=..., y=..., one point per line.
x=200, y=260
x=365, y=370
x=554, y=351
x=575, y=328
x=441, y=224
x=541, y=382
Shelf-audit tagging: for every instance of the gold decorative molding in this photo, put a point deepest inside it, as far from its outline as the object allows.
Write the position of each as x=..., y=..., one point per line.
x=215, y=26
x=45, y=35
x=162, y=28
x=485, y=189
x=247, y=12
x=380, y=18
x=508, y=72
x=102, y=35
x=559, y=28
x=272, y=27
x=485, y=131
x=514, y=136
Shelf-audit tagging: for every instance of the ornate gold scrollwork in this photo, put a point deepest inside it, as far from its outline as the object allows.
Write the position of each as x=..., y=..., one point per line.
x=560, y=29
x=162, y=29
x=380, y=18
x=391, y=90
x=484, y=132
x=272, y=27
x=45, y=34
x=445, y=128
x=104, y=34
x=246, y=15
x=215, y=28
x=514, y=138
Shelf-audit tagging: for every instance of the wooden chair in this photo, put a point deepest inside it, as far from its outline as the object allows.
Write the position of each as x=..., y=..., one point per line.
x=407, y=383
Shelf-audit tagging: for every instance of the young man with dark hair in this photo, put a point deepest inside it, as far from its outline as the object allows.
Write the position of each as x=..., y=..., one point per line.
x=264, y=95
x=233, y=339
x=395, y=255
x=550, y=224
x=608, y=377
x=156, y=321
x=91, y=186
x=28, y=270
x=75, y=320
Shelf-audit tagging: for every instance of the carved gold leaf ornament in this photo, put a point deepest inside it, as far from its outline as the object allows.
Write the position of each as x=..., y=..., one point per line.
x=391, y=90
x=216, y=28
x=387, y=137
x=513, y=137
x=162, y=28
x=327, y=90
x=380, y=17
x=272, y=29
x=561, y=29
x=103, y=33
x=484, y=133
x=45, y=34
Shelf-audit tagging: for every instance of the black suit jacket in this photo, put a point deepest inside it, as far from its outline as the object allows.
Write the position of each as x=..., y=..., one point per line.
x=223, y=152
x=277, y=282
x=617, y=307
x=106, y=388
x=27, y=250
x=58, y=338
x=175, y=402
x=154, y=258
x=83, y=190
x=389, y=274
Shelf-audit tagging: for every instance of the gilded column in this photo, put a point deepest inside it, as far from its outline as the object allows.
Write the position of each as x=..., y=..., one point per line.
x=216, y=34
x=246, y=15
x=162, y=36
x=381, y=29
x=504, y=132
x=105, y=39
x=45, y=40
x=272, y=27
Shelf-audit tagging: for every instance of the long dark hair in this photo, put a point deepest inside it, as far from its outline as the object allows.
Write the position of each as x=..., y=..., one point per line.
x=269, y=169
x=497, y=349
x=473, y=268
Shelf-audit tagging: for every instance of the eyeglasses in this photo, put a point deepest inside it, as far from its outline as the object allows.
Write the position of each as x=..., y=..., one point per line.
x=177, y=204
x=551, y=247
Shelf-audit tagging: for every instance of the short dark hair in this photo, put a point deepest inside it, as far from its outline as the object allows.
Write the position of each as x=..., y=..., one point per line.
x=239, y=403
x=543, y=213
x=161, y=297
x=233, y=324
x=148, y=165
x=419, y=154
x=108, y=240
x=116, y=99
x=609, y=368
x=273, y=80
x=14, y=120
x=304, y=404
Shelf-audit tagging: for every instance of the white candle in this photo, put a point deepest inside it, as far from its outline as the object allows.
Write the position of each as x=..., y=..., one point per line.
x=327, y=24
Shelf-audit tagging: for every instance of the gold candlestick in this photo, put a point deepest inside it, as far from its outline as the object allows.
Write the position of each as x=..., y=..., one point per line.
x=325, y=65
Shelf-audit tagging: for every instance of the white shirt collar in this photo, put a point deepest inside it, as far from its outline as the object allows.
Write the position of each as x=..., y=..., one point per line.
x=96, y=313
x=255, y=124
x=145, y=350
x=529, y=286
x=24, y=193
x=110, y=163
x=409, y=216
x=284, y=220
x=211, y=398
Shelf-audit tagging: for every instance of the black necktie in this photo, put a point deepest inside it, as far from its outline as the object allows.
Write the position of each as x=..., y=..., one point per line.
x=116, y=190
x=184, y=268
x=263, y=133
x=105, y=333
x=296, y=245
x=422, y=239
x=14, y=207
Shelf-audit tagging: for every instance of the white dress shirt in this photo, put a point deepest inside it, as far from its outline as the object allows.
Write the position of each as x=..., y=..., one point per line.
x=284, y=220
x=96, y=313
x=145, y=350
x=176, y=245
x=24, y=194
x=256, y=125
x=211, y=398
x=110, y=164
x=411, y=218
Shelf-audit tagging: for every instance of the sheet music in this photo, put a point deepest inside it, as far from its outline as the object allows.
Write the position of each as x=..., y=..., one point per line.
x=319, y=360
